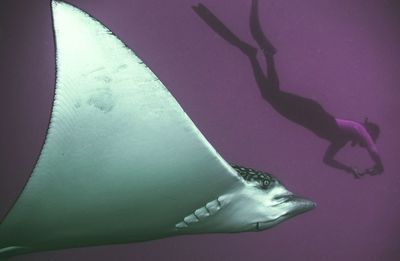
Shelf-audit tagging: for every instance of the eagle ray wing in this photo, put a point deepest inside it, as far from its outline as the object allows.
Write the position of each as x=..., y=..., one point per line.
x=122, y=161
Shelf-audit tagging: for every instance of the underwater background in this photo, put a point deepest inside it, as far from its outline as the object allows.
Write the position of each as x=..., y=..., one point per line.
x=344, y=54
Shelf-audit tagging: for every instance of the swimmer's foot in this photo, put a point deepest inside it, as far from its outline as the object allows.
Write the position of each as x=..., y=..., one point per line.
x=222, y=30
x=257, y=32
x=219, y=27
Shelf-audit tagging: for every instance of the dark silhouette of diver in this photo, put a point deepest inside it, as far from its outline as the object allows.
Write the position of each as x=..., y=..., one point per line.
x=301, y=110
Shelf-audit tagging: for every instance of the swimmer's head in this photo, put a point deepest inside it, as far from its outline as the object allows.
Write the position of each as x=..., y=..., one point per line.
x=373, y=131
x=372, y=128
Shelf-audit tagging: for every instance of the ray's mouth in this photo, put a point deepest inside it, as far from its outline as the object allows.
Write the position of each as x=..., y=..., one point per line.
x=296, y=205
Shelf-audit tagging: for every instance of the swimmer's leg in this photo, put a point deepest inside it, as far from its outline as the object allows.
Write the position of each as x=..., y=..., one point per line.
x=272, y=75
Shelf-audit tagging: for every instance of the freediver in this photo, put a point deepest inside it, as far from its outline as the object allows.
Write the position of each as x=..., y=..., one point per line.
x=304, y=111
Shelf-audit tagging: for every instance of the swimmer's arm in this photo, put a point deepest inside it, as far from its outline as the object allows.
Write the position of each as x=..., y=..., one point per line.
x=329, y=158
x=372, y=150
x=378, y=167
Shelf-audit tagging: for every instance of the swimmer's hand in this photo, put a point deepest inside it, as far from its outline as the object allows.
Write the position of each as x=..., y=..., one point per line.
x=356, y=172
x=375, y=170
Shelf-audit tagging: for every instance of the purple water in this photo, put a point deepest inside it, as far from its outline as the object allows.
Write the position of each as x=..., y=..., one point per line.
x=343, y=53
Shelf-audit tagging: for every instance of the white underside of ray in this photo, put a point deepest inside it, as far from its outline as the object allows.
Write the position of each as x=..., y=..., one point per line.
x=122, y=161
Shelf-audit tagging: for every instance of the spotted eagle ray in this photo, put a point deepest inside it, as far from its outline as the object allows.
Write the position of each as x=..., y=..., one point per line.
x=122, y=162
